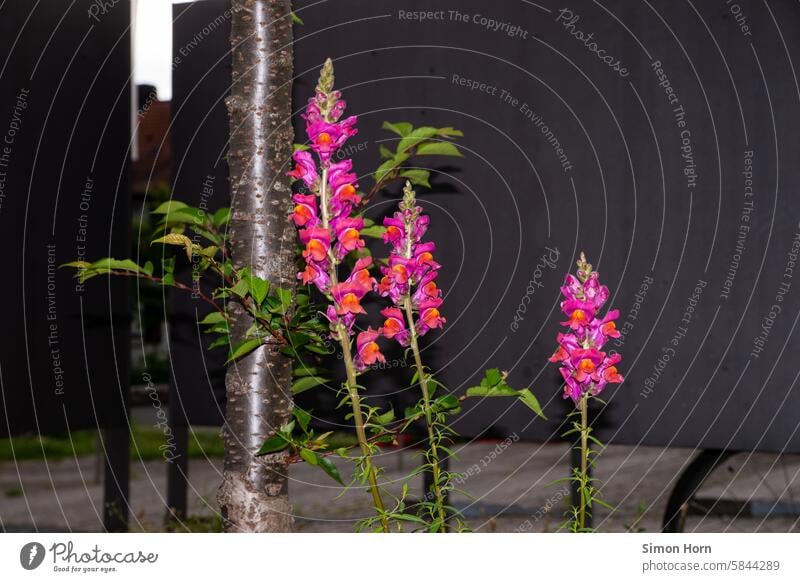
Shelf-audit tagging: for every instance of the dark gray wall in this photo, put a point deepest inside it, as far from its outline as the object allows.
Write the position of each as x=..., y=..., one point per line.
x=64, y=139
x=572, y=154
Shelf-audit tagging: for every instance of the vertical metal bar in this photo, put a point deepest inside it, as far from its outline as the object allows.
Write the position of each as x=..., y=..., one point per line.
x=117, y=479
x=177, y=474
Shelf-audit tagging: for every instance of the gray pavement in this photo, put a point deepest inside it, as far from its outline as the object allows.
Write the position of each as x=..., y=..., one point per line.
x=511, y=489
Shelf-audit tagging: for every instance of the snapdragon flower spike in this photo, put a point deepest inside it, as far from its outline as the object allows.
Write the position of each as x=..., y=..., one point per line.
x=411, y=272
x=329, y=230
x=585, y=368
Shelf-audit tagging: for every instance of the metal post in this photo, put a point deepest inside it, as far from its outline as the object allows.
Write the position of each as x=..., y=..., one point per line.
x=177, y=473
x=117, y=479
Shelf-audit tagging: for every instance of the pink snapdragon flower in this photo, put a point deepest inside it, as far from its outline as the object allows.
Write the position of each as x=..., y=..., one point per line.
x=368, y=352
x=585, y=368
x=329, y=230
x=411, y=272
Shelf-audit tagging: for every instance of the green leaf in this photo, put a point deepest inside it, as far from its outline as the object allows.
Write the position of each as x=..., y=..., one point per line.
x=302, y=371
x=117, y=265
x=185, y=215
x=273, y=445
x=258, y=288
x=385, y=418
x=303, y=417
x=306, y=383
x=221, y=217
x=213, y=318
x=299, y=147
x=309, y=457
x=449, y=132
x=169, y=206
x=78, y=264
x=176, y=240
x=241, y=288
x=318, y=349
x=530, y=400
x=492, y=377
x=148, y=268
x=375, y=231
x=438, y=148
x=447, y=402
x=296, y=19
x=417, y=177
x=415, y=137
x=401, y=128
x=327, y=465
x=223, y=340
x=385, y=152
x=385, y=169
x=243, y=348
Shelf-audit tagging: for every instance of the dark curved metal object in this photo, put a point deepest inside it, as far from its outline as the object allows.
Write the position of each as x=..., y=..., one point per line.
x=687, y=485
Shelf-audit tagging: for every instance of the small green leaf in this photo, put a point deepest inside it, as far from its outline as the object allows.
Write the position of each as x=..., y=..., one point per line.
x=243, y=348
x=306, y=383
x=385, y=152
x=415, y=137
x=296, y=19
x=417, y=177
x=447, y=402
x=375, y=231
x=221, y=217
x=177, y=240
x=258, y=288
x=223, y=340
x=309, y=457
x=273, y=445
x=303, y=417
x=439, y=148
x=530, y=400
x=401, y=128
x=449, y=132
x=492, y=377
x=327, y=465
x=212, y=318
x=169, y=206
x=78, y=264
x=385, y=169
x=385, y=418
x=241, y=288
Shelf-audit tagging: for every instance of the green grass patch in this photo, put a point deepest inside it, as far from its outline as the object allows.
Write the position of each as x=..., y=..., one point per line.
x=147, y=443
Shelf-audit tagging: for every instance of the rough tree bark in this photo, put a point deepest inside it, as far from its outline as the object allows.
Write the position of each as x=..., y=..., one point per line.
x=253, y=496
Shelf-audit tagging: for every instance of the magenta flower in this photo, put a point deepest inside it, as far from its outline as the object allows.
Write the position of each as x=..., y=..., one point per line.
x=367, y=350
x=305, y=168
x=411, y=272
x=585, y=368
x=305, y=210
x=394, y=326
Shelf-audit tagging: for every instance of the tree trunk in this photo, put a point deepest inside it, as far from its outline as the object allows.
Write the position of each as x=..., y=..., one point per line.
x=253, y=496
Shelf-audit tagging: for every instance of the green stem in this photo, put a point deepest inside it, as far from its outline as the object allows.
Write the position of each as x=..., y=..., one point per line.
x=426, y=407
x=358, y=418
x=584, y=461
x=352, y=386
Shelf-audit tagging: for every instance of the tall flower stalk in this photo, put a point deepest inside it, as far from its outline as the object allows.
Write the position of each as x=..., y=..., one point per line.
x=409, y=281
x=586, y=370
x=330, y=231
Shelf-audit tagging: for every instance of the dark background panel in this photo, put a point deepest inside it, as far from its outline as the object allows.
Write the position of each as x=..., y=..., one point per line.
x=643, y=168
x=201, y=81
x=65, y=121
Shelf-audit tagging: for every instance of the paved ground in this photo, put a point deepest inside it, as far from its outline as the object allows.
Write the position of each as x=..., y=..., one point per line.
x=512, y=490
